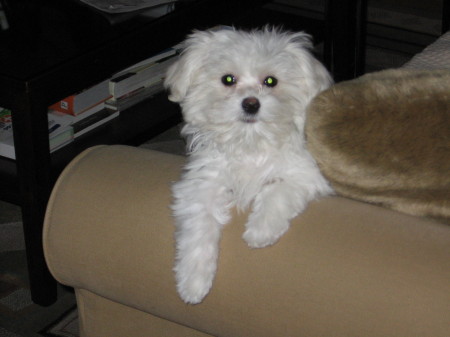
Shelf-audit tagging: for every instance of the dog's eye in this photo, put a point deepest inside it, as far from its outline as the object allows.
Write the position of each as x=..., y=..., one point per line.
x=270, y=81
x=228, y=80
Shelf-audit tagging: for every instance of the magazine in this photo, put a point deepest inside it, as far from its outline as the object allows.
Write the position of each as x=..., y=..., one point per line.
x=121, y=6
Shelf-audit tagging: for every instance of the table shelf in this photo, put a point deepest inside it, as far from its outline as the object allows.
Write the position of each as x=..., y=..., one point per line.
x=132, y=127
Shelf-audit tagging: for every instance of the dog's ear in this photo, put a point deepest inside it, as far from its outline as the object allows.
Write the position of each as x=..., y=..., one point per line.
x=311, y=75
x=321, y=76
x=318, y=77
x=181, y=74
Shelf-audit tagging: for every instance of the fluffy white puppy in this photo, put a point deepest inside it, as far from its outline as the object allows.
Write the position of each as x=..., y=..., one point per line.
x=243, y=97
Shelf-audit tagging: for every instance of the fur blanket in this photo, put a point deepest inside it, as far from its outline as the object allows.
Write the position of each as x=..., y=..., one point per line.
x=385, y=138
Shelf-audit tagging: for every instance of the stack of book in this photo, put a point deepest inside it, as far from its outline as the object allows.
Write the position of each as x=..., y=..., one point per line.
x=140, y=81
x=85, y=110
x=59, y=134
x=82, y=112
x=104, y=101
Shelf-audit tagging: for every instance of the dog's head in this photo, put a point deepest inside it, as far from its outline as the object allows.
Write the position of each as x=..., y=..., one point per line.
x=238, y=79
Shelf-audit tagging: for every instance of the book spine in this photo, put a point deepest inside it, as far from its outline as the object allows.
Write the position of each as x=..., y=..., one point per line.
x=6, y=134
x=65, y=106
x=7, y=150
x=135, y=80
x=93, y=121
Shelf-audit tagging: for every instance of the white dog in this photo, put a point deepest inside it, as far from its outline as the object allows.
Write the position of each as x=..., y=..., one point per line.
x=243, y=97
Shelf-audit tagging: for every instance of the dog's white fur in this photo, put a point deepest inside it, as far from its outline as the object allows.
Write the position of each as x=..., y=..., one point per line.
x=256, y=160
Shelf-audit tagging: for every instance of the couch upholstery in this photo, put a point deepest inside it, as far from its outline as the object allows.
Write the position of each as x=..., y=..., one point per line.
x=345, y=268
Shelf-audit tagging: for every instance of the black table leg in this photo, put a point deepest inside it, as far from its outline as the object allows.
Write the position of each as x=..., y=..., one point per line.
x=33, y=166
x=345, y=31
x=445, y=16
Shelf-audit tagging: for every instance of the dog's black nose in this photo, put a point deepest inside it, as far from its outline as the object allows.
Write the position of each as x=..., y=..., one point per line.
x=251, y=105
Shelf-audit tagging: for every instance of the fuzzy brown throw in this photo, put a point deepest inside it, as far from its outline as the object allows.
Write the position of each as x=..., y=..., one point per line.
x=385, y=138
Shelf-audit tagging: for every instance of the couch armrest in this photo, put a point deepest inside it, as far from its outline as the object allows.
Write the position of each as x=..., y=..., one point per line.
x=345, y=268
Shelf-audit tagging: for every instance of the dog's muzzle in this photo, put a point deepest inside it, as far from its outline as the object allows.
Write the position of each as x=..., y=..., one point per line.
x=251, y=105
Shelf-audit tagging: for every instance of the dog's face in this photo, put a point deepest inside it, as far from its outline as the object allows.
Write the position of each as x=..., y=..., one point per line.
x=246, y=80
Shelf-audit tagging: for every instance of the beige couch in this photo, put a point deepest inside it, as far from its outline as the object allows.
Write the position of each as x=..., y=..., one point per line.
x=345, y=268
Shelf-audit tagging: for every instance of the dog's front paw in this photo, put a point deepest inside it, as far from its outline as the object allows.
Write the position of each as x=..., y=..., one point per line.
x=194, y=288
x=195, y=274
x=260, y=236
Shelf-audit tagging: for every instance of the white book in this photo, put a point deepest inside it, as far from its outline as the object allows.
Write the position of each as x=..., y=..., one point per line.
x=95, y=120
x=6, y=134
x=143, y=77
x=7, y=145
x=59, y=134
x=64, y=119
x=120, y=6
x=135, y=97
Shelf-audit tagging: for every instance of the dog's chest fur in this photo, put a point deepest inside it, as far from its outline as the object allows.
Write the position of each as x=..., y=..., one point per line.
x=244, y=159
x=246, y=176
x=245, y=171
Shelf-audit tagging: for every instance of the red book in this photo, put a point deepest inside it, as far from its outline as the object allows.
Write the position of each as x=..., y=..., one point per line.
x=84, y=100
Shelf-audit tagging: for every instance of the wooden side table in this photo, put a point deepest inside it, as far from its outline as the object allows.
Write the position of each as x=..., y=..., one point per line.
x=54, y=49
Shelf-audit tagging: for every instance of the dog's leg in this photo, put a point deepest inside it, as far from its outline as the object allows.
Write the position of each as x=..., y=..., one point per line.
x=201, y=208
x=273, y=208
